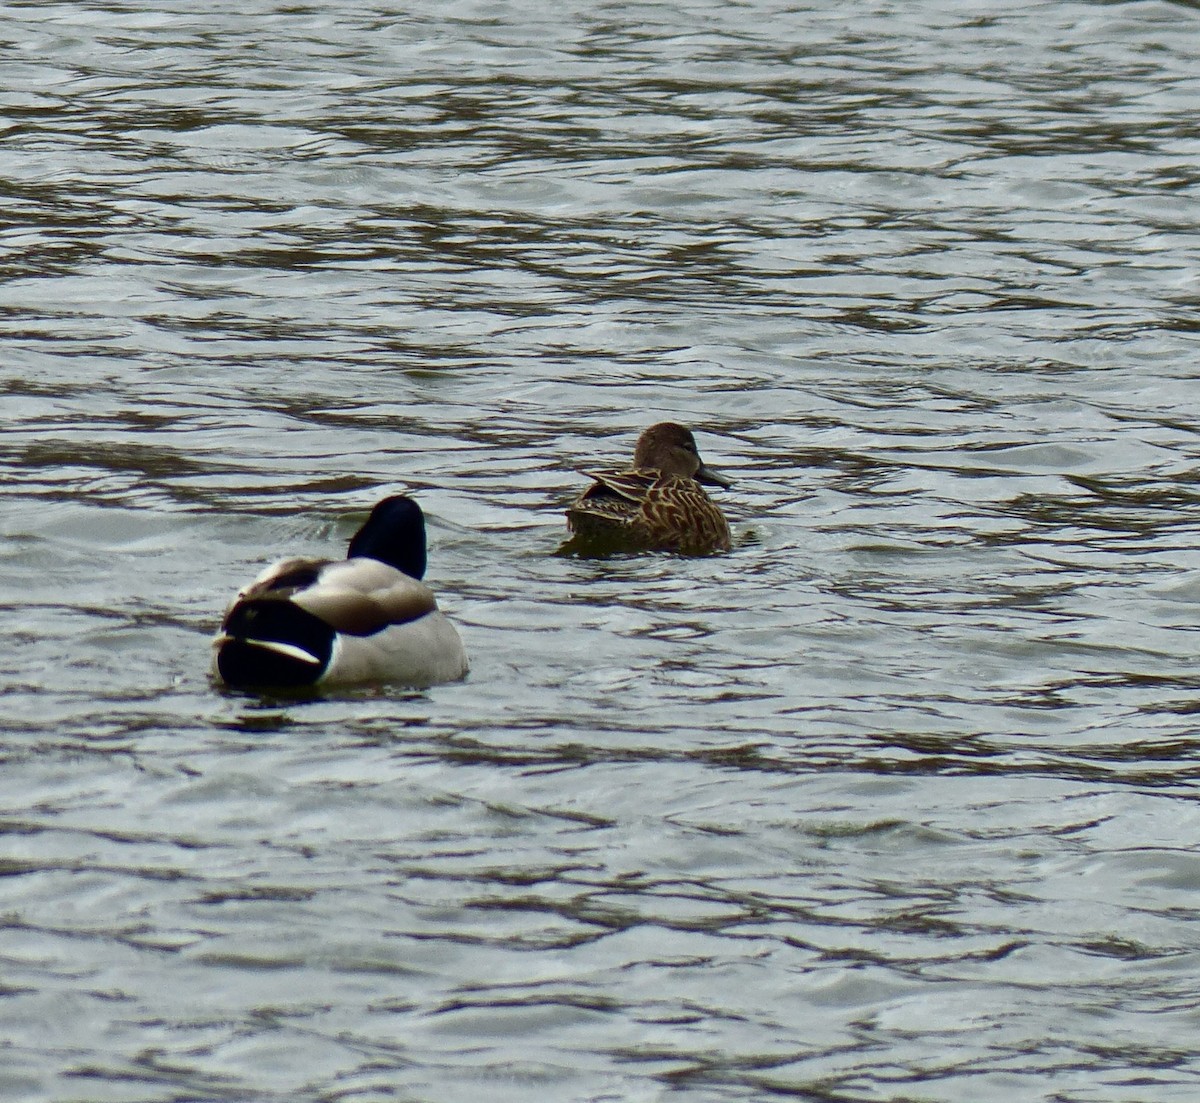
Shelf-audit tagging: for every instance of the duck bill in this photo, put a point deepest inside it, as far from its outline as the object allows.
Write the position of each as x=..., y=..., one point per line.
x=711, y=477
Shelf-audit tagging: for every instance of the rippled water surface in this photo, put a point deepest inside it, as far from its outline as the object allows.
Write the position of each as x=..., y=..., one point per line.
x=895, y=802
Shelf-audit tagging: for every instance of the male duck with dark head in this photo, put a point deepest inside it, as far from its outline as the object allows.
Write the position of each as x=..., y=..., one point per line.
x=657, y=504
x=365, y=618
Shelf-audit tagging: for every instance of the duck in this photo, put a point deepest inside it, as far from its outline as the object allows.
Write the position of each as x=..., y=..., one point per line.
x=656, y=504
x=324, y=622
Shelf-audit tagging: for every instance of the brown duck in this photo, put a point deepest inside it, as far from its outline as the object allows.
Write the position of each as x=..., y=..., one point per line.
x=657, y=504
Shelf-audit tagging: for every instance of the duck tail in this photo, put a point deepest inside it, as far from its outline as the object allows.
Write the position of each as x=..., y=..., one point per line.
x=268, y=641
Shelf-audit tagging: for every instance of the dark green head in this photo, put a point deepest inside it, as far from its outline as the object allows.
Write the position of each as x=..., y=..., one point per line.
x=394, y=534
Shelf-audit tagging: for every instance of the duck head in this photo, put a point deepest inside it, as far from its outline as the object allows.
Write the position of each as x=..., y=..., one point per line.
x=394, y=534
x=671, y=449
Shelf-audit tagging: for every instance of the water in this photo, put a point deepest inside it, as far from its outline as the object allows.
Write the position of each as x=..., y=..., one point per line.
x=896, y=802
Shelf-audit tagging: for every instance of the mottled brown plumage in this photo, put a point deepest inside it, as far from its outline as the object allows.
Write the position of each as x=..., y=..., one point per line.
x=657, y=504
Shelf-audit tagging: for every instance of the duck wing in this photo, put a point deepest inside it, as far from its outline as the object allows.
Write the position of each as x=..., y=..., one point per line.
x=630, y=485
x=283, y=579
x=358, y=597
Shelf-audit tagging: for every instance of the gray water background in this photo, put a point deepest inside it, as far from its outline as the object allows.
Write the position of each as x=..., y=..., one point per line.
x=895, y=802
